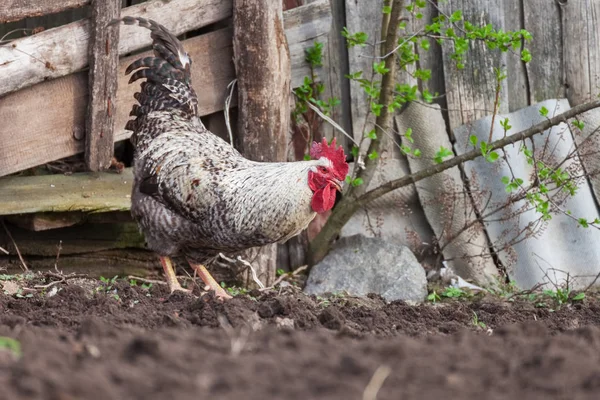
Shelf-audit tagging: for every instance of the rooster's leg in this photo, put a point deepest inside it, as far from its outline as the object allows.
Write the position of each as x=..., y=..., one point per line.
x=170, y=275
x=209, y=280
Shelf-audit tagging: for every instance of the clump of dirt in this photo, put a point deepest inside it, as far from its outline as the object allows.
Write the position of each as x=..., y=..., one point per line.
x=113, y=340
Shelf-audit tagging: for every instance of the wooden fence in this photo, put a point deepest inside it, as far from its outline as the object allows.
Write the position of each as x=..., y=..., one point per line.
x=48, y=114
x=44, y=85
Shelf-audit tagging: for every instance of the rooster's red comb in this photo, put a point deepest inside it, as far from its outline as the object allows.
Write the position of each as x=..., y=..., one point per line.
x=337, y=156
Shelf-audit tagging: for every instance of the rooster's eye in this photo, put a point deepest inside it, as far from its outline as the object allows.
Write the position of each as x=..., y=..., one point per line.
x=322, y=169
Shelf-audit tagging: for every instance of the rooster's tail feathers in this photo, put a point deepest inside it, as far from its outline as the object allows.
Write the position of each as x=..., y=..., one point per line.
x=168, y=74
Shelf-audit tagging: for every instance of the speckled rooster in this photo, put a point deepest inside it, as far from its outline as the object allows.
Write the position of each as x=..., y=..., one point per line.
x=194, y=195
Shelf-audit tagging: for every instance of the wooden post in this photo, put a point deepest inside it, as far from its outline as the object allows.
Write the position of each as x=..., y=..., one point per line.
x=104, y=58
x=262, y=63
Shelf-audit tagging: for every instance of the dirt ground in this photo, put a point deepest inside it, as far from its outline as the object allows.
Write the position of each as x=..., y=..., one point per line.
x=91, y=340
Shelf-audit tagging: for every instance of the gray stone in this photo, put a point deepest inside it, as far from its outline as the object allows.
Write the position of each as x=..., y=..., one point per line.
x=360, y=265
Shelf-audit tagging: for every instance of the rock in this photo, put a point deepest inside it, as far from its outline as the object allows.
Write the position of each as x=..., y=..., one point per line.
x=360, y=265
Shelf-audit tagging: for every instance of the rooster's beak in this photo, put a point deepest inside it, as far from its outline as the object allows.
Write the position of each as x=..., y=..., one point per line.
x=337, y=184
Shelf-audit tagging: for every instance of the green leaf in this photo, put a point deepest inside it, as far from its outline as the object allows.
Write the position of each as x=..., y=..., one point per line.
x=441, y=154
x=493, y=156
x=505, y=180
x=417, y=153
x=387, y=9
x=456, y=16
x=423, y=74
x=357, y=182
x=408, y=135
x=473, y=140
x=372, y=134
x=373, y=155
x=579, y=124
x=425, y=44
x=483, y=147
x=544, y=111
x=525, y=55
x=12, y=345
x=380, y=68
x=579, y=297
x=376, y=108
x=583, y=222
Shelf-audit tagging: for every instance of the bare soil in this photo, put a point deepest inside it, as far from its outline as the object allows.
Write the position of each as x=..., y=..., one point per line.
x=127, y=342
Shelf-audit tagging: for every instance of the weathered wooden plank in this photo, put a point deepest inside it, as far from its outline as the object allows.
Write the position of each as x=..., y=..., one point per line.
x=85, y=238
x=581, y=41
x=53, y=220
x=545, y=71
x=430, y=59
x=471, y=92
x=518, y=90
x=61, y=51
x=263, y=72
x=581, y=49
x=104, y=61
x=311, y=22
x=57, y=127
x=337, y=61
x=87, y=192
x=362, y=16
x=14, y=10
x=102, y=263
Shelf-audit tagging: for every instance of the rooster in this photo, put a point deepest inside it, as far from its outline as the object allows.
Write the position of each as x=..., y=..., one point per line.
x=193, y=194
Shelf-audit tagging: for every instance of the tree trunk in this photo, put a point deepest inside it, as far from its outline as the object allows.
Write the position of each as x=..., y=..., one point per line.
x=262, y=64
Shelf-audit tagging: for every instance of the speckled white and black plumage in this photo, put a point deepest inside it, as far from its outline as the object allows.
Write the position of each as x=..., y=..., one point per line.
x=194, y=194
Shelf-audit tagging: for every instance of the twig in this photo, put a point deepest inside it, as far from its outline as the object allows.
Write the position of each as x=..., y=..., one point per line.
x=58, y=255
x=16, y=247
x=145, y=280
x=4, y=251
x=61, y=278
x=282, y=277
x=247, y=264
x=376, y=382
x=331, y=122
x=473, y=154
x=231, y=86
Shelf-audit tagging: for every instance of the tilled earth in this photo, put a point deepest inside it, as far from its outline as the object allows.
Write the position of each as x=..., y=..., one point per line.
x=134, y=343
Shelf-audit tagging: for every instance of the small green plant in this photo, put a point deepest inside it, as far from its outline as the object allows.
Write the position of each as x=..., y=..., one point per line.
x=107, y=287
x=475, y=321
x=453, y=293
x=562, y=296
x=234, y=290
x=11, y=345
x=434, y=297
x=280, y=272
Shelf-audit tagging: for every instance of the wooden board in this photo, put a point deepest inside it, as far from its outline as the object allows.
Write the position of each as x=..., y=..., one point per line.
x=518, y=87
x=87, y=192
x=61, y=51
x=303, y=26
x=85, y=238
x=57, y=127
x=362, y=16
x=14, y=10
x=545, y=72
x=581, y=40
x=104, y=62
x=471, y=92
